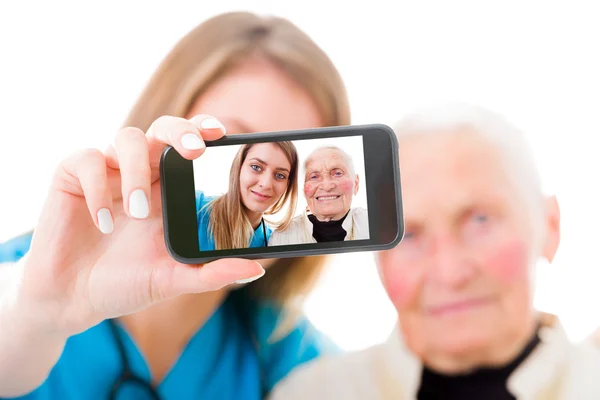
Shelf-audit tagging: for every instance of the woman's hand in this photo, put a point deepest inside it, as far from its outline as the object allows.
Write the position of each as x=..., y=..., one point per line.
x=98, y=249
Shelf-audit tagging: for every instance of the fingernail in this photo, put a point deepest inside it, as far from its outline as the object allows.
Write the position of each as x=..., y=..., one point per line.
x=191, y=141
x=138, y=204
x=212, y=123
x=105, y=221
x=251, y=279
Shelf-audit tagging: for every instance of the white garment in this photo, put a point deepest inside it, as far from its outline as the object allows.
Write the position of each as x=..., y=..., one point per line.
x=300, y=230
x=556, y=370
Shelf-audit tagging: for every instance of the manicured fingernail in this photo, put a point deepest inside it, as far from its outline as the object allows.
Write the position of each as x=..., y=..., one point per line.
x=138, y=204
x=191, y=141
x=105, y=221
x=212, y=123
x=251, y=279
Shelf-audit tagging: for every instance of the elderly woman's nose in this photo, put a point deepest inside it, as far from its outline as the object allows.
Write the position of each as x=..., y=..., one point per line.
x=449, y=264
x=327, y=184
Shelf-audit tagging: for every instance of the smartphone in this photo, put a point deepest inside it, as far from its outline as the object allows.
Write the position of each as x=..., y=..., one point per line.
x=284, y=194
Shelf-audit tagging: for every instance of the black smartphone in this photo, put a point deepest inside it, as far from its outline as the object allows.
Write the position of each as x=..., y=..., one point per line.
x=284, y=194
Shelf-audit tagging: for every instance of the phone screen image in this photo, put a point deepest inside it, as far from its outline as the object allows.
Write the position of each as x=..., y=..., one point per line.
x=281, y=193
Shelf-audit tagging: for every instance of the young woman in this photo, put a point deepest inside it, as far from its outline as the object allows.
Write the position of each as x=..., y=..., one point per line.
x=98, y=308
x=263, y=179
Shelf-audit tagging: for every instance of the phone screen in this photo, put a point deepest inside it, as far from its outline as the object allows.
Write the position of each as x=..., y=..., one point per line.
x=281, y=193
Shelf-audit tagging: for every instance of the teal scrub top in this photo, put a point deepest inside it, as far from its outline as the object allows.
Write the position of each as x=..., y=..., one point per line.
x=220, y=361
x=260, y=238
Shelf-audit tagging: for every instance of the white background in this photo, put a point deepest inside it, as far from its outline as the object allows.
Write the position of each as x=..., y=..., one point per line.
x=70, y=71
x=215, y=181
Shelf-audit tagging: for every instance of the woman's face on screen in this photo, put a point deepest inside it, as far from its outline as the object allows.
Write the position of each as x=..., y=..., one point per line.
x=264, y=177
x=257, y=96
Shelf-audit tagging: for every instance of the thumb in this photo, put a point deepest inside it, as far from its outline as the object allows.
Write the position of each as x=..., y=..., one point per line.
x=187, y=279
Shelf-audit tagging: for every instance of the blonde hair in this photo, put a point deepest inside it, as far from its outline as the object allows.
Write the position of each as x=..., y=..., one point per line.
x=212, y=48
x=229, y=224
x=204, y=55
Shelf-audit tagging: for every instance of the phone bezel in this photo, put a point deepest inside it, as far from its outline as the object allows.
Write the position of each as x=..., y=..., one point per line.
x=384, y=199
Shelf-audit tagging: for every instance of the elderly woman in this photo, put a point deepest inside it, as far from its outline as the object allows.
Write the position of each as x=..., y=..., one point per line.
x=462, y=279
x=330, y=184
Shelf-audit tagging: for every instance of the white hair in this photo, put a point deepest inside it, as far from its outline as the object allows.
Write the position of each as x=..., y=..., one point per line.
x=345, y=155
x=514, y=148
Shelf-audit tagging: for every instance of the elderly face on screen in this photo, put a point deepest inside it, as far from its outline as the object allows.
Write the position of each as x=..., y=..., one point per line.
x=330, y=183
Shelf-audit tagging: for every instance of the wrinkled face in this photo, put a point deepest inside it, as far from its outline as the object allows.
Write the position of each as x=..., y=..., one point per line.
x=264, y=177
x=329, y=185
x=460, y=279
x=256, y=96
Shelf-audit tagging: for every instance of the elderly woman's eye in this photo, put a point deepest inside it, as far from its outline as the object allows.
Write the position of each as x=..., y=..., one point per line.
x=480, y=217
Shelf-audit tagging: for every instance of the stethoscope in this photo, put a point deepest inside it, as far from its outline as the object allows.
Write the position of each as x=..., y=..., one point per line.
x=127, y=376
x=264, y=232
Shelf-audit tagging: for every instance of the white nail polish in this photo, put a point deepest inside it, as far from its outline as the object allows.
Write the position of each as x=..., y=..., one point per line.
x=251, y=279
x=192, y=142
x=138, y=204
x=212, y=123
x=105, y=221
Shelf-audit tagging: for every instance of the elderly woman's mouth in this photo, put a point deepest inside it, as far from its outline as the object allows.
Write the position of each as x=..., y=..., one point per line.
x=328, y=198
x=456, y=307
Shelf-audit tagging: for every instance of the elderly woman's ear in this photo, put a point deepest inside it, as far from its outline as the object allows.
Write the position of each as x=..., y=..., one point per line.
x=356, y=182
x=552, y=222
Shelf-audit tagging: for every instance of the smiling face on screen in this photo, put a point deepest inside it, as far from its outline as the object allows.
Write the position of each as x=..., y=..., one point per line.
x=329, y=184
x=264, y=177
